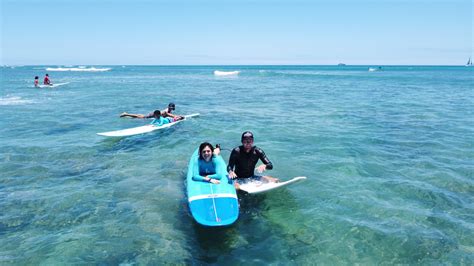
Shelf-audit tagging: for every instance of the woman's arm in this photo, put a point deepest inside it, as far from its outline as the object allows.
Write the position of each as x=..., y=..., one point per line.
x=196, y=175
x=218, y=173
x=232, y=161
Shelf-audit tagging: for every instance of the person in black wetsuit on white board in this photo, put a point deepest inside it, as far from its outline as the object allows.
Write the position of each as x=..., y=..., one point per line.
x=243, y=159
x=165, y=113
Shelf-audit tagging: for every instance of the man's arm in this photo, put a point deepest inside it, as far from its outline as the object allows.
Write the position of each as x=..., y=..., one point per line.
x=170, y=114
x=263, y=157
x=176, y=117
x=231, y=165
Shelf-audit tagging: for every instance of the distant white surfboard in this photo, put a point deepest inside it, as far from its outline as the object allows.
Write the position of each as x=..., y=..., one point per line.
x=259, y=186
x=52, y=85
x=226, y=73
x=141, y=130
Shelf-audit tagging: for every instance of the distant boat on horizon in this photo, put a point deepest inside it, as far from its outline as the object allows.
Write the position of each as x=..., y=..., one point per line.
x=341, y=64
x=469, y=62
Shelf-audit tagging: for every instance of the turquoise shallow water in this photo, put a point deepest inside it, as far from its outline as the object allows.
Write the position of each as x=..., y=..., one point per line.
x=389, y=156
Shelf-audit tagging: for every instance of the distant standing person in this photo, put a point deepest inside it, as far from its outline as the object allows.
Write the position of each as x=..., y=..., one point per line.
x=244, y=158
x=47, y=81
x=36, y=81
x=165, y=113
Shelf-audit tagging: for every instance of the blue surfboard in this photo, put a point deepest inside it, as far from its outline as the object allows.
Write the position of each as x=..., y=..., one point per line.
x=212, y=204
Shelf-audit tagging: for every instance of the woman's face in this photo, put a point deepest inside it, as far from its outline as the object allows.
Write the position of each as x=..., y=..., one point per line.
x=206, y=153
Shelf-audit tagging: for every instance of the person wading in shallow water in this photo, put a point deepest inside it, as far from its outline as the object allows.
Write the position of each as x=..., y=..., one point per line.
x=46, y=80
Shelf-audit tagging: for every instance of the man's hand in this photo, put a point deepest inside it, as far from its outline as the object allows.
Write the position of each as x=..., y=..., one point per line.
x=232, y=175
x=261, y=168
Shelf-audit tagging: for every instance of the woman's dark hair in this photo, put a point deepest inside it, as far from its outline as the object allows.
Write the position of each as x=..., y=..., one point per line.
x=36, y=77
x=157, y=113
x=204, y=145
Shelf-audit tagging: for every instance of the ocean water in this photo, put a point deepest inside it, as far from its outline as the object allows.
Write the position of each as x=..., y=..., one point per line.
x=389, y=157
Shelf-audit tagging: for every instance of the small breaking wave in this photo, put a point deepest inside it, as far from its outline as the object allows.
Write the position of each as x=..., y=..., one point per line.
x=293, y=72
x=373, y=69
x=226, y=73
x=14, y=100
x=78, y=69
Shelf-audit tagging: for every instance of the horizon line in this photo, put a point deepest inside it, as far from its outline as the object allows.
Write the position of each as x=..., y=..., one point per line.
x=68, y=65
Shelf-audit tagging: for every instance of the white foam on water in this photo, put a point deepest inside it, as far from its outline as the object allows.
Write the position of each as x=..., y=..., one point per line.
x=226, y=73
x=307, y=72
x=14, y=100
x=78, y=69
x=373, y=69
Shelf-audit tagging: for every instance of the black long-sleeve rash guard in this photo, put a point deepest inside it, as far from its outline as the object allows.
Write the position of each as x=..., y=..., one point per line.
x=244, y=162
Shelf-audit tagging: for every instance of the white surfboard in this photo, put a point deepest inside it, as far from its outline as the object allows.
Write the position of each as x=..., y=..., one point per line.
x=259, y=186
x=141, y=130
x=53, y=85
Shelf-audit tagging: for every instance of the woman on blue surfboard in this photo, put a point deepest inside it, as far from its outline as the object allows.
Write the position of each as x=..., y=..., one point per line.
x=205, y=169
x=243, y=159
x=211, y=195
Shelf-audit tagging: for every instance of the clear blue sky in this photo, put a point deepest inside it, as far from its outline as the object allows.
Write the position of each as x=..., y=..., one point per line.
x=177, y=32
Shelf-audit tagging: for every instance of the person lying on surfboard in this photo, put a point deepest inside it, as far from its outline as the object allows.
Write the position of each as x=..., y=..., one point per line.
x=165, y=113
x=205, y=169
x=160, y=120
x=243, y=159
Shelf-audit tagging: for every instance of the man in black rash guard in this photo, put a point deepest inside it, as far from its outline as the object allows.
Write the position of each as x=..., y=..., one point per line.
x=165, y=113
x=244, y=158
